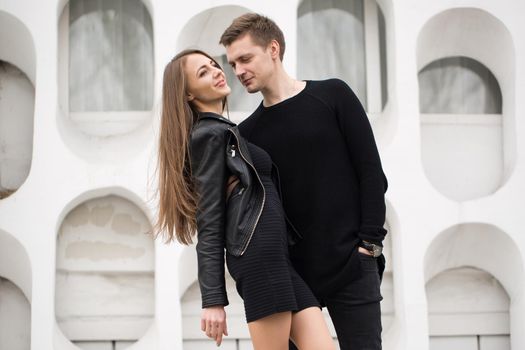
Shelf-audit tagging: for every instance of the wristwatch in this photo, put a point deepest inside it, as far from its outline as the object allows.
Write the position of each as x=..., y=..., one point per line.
x=375, y=249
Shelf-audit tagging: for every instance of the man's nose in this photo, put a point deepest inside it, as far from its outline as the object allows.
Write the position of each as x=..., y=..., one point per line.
x=239, y=70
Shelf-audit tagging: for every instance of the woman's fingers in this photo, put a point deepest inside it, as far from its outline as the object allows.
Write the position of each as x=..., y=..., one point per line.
x=213, y=323
x=209, y=329
x=225, y=332
x=222, y=329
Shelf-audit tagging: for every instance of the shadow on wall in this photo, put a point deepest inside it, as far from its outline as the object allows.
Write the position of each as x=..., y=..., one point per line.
x=17, y=98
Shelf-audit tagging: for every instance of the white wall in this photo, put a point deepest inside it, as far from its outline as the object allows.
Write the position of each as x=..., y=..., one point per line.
x=69, y=168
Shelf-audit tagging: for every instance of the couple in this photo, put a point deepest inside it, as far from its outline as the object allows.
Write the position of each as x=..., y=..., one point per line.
x=294, y=194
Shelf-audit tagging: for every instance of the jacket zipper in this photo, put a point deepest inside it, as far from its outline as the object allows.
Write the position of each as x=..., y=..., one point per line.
x=262, y=186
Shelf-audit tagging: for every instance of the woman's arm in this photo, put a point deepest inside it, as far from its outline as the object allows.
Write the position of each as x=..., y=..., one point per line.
x=208, y=163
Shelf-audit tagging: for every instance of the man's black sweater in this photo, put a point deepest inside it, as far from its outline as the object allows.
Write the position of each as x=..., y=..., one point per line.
x=332, y=181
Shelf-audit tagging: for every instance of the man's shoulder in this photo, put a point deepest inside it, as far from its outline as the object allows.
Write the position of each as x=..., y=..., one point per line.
x=328, y=92
x=332, y=84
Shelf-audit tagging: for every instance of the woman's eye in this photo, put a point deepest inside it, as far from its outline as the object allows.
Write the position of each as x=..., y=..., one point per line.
x=202, y=73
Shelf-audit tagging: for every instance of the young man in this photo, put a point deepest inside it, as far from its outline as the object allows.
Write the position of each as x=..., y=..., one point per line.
x=333, y=185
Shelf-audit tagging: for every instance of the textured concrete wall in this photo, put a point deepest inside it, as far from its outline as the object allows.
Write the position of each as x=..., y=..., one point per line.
x=441, y=215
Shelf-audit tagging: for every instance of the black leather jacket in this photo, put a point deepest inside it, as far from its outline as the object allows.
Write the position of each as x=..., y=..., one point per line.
x=217, y=151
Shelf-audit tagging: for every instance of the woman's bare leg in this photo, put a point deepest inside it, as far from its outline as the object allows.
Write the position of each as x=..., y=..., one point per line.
x=309, y=330
x=271, y=332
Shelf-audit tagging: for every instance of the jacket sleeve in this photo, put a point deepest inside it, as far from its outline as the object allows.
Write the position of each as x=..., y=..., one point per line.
x=208, y=164
x=364, y=156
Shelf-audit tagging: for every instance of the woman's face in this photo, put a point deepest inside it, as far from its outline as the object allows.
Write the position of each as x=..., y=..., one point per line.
x=207, y=84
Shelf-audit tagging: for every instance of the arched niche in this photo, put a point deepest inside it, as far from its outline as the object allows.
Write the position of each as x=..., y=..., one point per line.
x=104, y=287
x=15, y=317
x=461, y=128
x=14, y=263
x=467, y=103
x=15, y=294
x=467, y=307
x=17, y=45
x=203, y=31
x=105, y=77
x=455, y=257
x=17, y=100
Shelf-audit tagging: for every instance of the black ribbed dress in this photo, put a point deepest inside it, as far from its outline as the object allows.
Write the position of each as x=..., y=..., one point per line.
x=264, y=276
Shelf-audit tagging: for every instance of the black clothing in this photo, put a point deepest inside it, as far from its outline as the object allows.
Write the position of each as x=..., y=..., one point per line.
x=217, y=151
x=332, y=181
x=264, y=275
x=355, y=310
x=210, y=169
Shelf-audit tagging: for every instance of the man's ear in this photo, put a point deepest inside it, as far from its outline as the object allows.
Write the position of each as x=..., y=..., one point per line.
x=275, y=49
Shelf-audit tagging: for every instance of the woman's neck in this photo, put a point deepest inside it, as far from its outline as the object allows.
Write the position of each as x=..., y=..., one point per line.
x=210, y=107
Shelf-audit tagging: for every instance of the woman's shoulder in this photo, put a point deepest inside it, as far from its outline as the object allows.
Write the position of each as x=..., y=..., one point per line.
x=214, y=118
x=211, y=125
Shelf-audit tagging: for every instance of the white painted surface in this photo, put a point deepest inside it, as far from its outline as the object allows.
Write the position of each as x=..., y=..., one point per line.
x=15, y=317
x=430, y=232
x=17, y=99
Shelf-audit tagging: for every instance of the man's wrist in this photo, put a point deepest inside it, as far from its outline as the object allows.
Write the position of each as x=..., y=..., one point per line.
x=374, y=249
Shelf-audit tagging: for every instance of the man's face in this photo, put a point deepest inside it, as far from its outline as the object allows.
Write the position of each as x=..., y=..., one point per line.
x=252, y=64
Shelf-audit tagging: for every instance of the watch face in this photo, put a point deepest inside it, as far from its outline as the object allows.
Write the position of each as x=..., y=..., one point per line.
x=377, y=250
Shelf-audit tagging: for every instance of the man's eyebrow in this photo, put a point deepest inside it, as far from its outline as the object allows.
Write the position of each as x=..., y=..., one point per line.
x=241, y=57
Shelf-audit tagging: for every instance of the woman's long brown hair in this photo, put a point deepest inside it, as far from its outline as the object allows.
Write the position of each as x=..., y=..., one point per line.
x=177, y=195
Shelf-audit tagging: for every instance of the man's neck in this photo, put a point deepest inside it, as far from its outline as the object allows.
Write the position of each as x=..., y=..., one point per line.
x=281, y=87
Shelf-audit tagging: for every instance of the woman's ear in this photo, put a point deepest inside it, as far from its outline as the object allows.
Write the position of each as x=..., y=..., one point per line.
x=190, y=97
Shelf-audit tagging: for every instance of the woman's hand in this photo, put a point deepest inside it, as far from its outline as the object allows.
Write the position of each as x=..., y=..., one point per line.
x=213, y=323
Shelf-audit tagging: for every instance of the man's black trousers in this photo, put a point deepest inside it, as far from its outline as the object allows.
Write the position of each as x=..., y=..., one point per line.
x=355, y=310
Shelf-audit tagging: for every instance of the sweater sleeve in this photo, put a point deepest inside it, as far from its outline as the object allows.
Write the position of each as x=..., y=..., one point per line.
x=209, y=172
x=364, y=156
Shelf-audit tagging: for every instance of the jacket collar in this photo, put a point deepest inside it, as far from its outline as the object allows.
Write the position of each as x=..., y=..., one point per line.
x=211, y=115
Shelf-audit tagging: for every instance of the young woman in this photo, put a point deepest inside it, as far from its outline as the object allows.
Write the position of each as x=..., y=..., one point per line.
x=213, y=181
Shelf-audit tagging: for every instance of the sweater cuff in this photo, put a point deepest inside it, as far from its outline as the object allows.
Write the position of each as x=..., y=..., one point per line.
x=375, y=236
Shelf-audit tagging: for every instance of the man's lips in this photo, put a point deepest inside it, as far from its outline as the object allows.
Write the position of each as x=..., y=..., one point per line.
x=247, y=81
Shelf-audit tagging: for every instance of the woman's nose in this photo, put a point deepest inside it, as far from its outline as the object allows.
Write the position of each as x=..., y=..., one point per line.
x=217, y=72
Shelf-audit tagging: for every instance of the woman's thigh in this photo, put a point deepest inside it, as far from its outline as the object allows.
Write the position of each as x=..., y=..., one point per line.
x=309, y=330
x=271, y=332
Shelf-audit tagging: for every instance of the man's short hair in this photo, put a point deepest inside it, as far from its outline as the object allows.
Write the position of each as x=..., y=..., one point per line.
x=261, y=29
